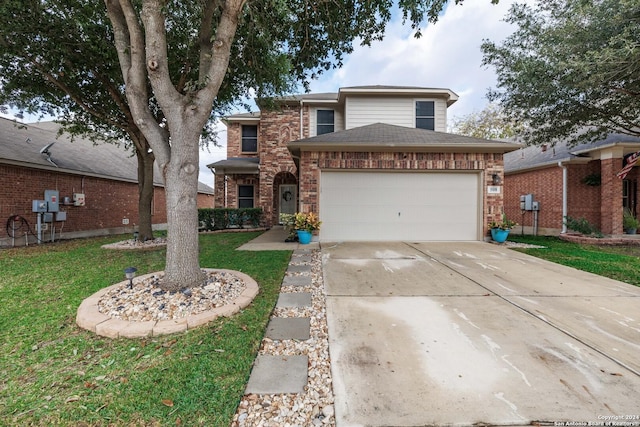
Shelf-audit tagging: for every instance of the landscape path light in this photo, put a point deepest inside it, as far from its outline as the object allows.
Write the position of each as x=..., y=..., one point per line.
x=130, y=273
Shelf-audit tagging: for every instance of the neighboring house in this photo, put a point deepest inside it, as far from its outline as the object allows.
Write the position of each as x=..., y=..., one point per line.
x=374, y=162
x=584, y=176
x=105, y=174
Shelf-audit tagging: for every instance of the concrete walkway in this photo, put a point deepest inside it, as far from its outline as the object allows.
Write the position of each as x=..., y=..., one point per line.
x=477, y=334
x=284, y=374
x=274, y=240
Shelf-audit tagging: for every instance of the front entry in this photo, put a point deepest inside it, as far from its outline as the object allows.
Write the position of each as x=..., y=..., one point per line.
x=288, y=199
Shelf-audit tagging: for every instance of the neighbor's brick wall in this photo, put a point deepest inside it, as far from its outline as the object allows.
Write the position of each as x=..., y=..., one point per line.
x=313, y=162
x=611, y=196
x=600, y=205
x=107, y=201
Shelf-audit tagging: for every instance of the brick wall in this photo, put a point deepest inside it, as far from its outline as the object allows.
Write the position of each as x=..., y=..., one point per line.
x=611, y=197
x=312, y=162
x=546, y=187
x=277, y=129
x=600, y=205
x=107, y=202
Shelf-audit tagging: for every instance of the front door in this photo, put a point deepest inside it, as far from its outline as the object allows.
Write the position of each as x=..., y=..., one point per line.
x=288, y=199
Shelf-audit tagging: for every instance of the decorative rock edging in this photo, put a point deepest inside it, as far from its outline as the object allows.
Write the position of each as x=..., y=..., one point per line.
x=133, y=245
x=90, y=318
x=600, y=241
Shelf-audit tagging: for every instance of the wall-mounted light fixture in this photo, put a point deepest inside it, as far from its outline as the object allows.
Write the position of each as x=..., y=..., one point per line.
x=496, y=179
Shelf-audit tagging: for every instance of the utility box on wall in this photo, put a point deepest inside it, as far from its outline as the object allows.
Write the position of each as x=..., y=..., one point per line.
x=53, y=200
x=78, y=199
x=526, y=202
x=38, y=206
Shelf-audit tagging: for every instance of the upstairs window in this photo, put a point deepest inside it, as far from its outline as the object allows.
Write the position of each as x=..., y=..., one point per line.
x=245, y=196
x=249, y=138
x=325, y=122
x=425, y=115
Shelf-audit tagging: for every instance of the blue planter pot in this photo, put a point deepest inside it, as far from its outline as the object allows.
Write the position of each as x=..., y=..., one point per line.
x=304, y=237
x=499, y=235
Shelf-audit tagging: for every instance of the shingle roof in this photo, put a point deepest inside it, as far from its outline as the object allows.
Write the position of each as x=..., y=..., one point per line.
x=533, y=157
x=20, y=144
x=237, y=165
x=385, y=136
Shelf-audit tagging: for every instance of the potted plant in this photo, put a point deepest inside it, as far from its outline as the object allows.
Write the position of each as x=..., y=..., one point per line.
x=629, y=221
x=305, y=224
x=500, y=229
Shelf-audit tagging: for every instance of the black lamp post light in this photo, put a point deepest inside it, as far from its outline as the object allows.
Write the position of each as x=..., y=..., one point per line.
x=130, y=273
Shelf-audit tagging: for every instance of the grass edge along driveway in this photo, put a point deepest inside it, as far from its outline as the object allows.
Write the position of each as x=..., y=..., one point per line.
x=54, y=373
x=615, y=262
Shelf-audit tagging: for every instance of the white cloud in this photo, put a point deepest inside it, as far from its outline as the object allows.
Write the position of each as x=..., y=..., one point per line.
x=446, y=56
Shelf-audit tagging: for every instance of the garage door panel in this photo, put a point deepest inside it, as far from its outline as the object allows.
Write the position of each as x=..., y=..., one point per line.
x=378, y=206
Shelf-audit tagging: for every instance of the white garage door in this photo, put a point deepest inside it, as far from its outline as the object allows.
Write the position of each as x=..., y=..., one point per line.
x=392, y=206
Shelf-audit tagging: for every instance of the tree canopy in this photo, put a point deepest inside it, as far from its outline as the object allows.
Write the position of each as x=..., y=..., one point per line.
x=572, y=69
x=489, y=123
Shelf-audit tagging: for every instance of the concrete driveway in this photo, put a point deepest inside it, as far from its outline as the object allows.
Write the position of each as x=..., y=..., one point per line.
x=467, y=333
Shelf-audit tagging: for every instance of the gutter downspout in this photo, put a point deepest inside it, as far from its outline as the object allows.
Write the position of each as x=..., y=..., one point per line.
x=564, y=196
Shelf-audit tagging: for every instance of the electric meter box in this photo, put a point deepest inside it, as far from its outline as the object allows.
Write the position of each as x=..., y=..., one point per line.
x=39, y=206
x=53, y=200
x=78, y=199
x=526, y=202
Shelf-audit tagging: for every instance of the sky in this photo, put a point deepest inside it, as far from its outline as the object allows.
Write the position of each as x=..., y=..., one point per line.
x=446, y=56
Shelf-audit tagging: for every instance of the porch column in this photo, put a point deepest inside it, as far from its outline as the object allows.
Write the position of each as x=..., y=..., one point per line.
x=611, y=192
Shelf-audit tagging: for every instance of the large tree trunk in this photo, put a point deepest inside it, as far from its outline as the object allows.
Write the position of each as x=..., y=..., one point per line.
x=142, y=56
x=145, y=195
x=181, y=184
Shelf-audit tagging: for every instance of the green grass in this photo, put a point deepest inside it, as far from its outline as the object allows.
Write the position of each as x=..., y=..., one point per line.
x=616, y=262
x=53, y=373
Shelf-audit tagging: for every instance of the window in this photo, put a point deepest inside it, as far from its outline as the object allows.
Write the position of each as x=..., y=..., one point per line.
x=425, y=117
x=245, y=196
x=325, y=122
x=249, y=138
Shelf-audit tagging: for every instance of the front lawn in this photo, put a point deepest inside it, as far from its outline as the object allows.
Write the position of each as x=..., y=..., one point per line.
x=616, y=262
x=53, y=373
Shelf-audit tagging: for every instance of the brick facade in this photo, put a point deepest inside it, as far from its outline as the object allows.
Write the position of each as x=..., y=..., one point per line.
x=276, y=129
x=108, y=202
x=311, y=163
x=601, y=205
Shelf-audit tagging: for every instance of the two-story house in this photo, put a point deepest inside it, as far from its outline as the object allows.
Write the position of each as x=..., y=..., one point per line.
x=375, y=162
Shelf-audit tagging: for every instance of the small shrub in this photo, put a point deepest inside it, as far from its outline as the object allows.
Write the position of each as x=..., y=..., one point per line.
x=582, y=226
x=592, y=180
x=629, y=220
x=224, y=218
